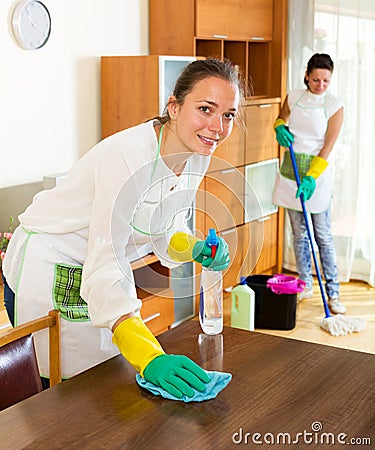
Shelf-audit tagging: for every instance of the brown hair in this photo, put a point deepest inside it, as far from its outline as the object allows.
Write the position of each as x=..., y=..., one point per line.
x=199, y=70
x=318, y=61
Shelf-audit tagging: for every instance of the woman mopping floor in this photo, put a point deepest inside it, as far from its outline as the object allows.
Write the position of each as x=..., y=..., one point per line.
x=338, y=325
x=314, y=119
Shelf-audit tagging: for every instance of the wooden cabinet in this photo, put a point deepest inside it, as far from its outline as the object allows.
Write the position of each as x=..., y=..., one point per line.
x=126, y=99
x=260, y=139
x=152, y=282
x=234, y=18
x=220, y=205
x=251, y=33
x=136, y=88
x=230, y=153
x=172, y=27
x=158, y=311
x=260, y=245
x=224, y=198
x=268, y=256
x=236, y=240
x=261, y=165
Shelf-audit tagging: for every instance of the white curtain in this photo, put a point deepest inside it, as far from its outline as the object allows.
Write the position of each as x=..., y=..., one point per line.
x=345, y=29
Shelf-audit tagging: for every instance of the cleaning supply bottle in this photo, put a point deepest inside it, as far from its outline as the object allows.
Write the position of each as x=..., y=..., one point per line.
x=243, y=306
x=211, y=293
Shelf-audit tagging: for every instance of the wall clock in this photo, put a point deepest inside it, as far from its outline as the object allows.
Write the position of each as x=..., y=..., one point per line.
x=31, y=24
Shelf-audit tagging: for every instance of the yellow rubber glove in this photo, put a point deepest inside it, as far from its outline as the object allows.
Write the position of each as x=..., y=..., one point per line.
x=181, y=246
x=136, y=343
x=317, y=167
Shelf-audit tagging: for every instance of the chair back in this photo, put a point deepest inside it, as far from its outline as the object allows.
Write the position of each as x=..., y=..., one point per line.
x=19, y=370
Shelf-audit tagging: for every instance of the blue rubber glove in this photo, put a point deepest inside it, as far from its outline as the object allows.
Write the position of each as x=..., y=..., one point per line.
x=306, y=188
x=202, y=254
x=283, y=136
x=176, y=374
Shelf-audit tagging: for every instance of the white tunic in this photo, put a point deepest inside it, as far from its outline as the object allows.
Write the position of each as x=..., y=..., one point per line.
x=90, y=220
x=309, y=115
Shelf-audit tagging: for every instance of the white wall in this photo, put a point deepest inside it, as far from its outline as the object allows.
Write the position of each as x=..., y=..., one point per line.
x=50, y=98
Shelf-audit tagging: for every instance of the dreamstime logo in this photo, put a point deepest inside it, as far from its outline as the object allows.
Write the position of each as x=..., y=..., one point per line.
x=316, y=426
x=316, y=436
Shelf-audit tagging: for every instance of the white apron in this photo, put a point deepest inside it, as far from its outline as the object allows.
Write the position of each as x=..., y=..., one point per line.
x=82, y=345
x=308, y=123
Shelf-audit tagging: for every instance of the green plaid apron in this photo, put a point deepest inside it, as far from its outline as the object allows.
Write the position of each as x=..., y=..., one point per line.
x=66, y=293
x=303, y=161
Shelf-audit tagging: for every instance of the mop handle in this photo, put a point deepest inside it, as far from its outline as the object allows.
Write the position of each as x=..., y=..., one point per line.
x=296, y=174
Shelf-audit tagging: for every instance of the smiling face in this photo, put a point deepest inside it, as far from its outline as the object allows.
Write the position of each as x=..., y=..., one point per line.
x=205, y=119
x=318, y=80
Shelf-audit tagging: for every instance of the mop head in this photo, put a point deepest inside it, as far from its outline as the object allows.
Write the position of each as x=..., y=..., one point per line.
x=340, y=325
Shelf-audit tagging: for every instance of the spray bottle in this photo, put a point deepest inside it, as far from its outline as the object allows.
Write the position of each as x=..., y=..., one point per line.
x=211, y=293
x=243, y=306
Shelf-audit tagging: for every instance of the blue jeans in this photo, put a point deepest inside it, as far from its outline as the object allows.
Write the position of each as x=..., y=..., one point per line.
x=9, y=301
x=323, y=236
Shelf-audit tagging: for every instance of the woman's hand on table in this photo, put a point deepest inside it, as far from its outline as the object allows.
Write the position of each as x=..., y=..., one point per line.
x=176, y=374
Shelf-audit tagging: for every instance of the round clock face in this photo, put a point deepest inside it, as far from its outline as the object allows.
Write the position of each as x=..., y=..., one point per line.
x=31, y=24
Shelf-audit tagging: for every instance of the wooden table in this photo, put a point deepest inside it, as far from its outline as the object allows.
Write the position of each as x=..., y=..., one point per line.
x=279, y=385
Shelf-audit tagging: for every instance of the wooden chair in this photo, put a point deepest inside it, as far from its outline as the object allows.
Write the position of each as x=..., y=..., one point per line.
x=19, y=370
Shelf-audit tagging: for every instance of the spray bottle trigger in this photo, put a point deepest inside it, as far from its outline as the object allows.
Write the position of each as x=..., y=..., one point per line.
x=212, y=241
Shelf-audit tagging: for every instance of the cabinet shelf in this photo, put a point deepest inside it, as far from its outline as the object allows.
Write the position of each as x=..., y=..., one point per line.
x=251, y=33
x=144, y=261
x=209, y=48
x=253, y=58
x=156, y=292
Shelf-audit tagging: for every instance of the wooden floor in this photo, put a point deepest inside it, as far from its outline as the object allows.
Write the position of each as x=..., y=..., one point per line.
x=358, y=297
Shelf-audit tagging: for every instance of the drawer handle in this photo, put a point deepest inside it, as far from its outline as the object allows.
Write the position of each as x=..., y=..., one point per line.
x=263, y=219
x=220, y=36
x=228, y=171
x=266, y=105
x=257, y=38
x=154, y=316
x=232, y=230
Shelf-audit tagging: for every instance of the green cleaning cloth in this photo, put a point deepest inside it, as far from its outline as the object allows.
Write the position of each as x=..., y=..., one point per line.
x=218, y=381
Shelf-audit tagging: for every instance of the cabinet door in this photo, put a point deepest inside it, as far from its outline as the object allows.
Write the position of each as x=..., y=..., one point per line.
x=236, y=240
x=267, y=261
x=234, y=19
x=129, y=91
x=152, y=281
x=233, y=240
x=224, y=199
x=158, y=311
x=231, y=152
x=260, y=139
x=172, y=27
